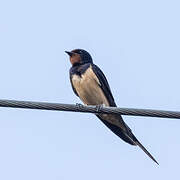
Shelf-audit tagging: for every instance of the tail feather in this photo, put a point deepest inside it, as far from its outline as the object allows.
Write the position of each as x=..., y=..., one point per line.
x=118, y=131
x=135, y=140
x=146, y=151
x=127, y=136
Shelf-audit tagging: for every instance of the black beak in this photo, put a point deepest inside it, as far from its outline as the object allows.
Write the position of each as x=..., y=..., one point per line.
x=69, y=53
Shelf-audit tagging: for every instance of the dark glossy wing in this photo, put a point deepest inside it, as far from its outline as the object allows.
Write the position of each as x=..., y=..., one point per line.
x=127, y=135
x=107, y=91
x=104, y=84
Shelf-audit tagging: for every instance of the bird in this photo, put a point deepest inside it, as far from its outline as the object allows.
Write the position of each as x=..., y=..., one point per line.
x=90, y=84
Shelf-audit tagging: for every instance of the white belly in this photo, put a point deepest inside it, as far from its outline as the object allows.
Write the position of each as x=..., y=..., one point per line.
x=88, y=88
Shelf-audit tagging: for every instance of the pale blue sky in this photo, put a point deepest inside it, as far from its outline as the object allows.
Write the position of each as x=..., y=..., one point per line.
x=136, y=44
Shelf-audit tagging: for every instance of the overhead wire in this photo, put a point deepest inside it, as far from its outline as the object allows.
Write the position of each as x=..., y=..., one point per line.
x=89, y=109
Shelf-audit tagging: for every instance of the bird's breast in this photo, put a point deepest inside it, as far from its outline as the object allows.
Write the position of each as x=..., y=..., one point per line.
x=88, y=88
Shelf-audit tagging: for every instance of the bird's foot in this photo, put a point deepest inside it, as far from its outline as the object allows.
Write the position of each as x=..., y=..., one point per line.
x=99, y=107
x=79, y=105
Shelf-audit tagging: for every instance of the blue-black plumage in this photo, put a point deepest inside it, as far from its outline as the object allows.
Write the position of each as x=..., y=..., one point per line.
x=91, y=86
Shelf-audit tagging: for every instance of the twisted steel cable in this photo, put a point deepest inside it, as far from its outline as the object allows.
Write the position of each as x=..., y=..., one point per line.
x=89, y=109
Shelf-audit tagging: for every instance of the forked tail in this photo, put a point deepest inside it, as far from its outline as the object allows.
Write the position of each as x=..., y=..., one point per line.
x=145, y=150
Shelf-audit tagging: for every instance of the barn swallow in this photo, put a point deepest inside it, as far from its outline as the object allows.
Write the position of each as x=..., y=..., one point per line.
x=91, y=86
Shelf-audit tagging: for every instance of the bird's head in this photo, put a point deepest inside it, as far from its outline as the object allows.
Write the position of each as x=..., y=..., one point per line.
x=79, y=56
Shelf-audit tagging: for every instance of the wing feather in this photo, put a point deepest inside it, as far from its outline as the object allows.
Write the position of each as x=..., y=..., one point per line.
x=104, y=85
